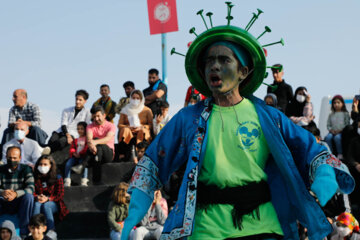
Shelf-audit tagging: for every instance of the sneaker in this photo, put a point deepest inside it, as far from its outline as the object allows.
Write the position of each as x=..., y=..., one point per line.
x=52, y=235
x=67, y=182
x=46, y=151
x=84, y=182
x=340, y=156
x=78, y=169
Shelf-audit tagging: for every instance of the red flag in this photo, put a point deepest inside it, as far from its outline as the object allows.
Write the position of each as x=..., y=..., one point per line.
x=162, y=16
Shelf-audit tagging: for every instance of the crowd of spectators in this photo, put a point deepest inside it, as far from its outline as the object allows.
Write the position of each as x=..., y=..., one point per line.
x=32, y=186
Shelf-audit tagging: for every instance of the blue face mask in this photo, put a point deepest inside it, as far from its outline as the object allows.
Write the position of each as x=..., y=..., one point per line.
x=19, y=134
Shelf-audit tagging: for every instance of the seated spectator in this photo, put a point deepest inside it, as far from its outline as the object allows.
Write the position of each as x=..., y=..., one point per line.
x=49, y=191
x=151, y=226
x=271, y=100
x=69, y=119
x=100, y=140
x=155, y=93
x=7, y=231
x=162, y=119
x=300, y=108
x=128, y=87
x=30, y=149
x=16, y=188
x=350, y=131
x=135, y=121
x=346, y=227
x=118, y=210
x=193, y=96
x=140, y=151
x=337, y=120
x=29, y=113
x=78, y=151
x=106, y=103
x=37, y=228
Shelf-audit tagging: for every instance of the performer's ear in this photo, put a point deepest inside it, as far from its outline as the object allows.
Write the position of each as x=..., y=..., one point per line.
x=243, y=73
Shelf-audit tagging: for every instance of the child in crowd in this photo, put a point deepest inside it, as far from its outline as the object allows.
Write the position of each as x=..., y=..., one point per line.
x=49, y=191
x=7, y=231
x=140, y=151
x=346, y=227
x=77, y=152
x=162, y=119
x=118, y=210
x=37, y=228
x=338, y=119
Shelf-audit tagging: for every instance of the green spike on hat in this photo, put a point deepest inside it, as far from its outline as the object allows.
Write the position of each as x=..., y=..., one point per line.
x=235, y=35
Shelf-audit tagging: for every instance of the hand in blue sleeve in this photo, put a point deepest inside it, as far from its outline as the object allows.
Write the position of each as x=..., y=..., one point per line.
x=324, y=185
x=139, y=205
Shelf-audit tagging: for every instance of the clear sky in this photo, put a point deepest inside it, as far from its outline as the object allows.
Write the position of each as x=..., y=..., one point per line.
x=53, y=48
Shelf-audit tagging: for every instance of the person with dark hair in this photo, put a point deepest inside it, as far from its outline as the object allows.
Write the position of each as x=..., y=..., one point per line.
x=16, y=188
x=7, y=231
x=128, y=87
x=49, y=191
x=280, y=88
x=350, y=131
x=106, y=103
x=140, y=150
x=27, y=112
x=37, y=227
x=156, y=92
x=300, y=108
x=337, y=120
x=100, y=140
x=271, y=100
x=161, y=119
x=191, y=95
x=70, y=117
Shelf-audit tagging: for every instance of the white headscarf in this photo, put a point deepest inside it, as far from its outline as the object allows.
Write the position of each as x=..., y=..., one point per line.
x=132, y=110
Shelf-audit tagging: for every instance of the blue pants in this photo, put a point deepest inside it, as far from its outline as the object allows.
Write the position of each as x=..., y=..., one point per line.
x=23, y=206
x=114, y=235
x=337, y=140
x=71, y=162
x=48, y=209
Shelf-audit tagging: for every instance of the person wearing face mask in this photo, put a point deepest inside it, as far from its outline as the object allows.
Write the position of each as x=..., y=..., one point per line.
x=16, y=188
x=49, y=192
x=30, y=149
x=346, y=227
x=135, y=122
x=300, y=108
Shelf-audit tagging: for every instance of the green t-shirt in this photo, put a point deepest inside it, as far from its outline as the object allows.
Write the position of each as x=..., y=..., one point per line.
x=234, y=156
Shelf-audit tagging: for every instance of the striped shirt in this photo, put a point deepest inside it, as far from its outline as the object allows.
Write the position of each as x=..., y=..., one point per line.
x=29, y=112
x=21, y=180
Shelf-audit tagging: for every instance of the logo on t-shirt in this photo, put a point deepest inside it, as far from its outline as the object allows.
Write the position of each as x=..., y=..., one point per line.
x=249, y=132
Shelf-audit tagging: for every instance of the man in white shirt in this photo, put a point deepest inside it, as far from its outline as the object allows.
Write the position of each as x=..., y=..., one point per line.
x=69, y=119
x=30, y=149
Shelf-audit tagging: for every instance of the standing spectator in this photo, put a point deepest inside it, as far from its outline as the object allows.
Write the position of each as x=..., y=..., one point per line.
x=29, y=113
x=151, y=225
x=128, y=87
x=100, y=140
x=30, y=149
x=16, y=188
x=161, y=119
x=49, y=191
x=300, y=109
x=118, y=210
x=192, y=94
x=282, y=90
x=155, y=93
x=135, y=121
x=337, y=120
x=106, y=103
x=350, y=131
x=7, y=231
x=69, y=119
x=78, y=151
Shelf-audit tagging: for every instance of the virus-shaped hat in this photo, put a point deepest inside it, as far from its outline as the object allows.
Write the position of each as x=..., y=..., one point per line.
x=348, y=220
x=245, y=42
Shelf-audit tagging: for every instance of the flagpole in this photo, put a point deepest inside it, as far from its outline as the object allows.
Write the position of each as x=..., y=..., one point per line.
x=163, y=53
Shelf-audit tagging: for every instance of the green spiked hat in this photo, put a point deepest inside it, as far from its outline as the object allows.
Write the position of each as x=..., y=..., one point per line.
x=238, y=36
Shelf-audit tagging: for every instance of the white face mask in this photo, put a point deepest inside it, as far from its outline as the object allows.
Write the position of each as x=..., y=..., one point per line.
x=43, y=169
x=358, y=131
x=300, y=98
x=343, y=231
x=134, y=102
x=19, y=134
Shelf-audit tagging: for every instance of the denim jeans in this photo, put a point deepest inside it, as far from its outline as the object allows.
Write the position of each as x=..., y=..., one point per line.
x=337, y=140
x=71, y=162
x=114, y=235
x=48, y=209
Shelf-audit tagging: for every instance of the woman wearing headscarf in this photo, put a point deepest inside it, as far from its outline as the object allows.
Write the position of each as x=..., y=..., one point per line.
x=300, y=108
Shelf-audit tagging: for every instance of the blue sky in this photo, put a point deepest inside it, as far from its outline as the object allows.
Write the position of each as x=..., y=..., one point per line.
x=53, y=48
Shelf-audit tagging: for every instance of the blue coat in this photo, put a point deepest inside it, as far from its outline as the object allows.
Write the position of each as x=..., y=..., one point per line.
x=291, y=166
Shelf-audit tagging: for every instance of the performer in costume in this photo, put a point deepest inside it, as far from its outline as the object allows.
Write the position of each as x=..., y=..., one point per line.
x=249, y=168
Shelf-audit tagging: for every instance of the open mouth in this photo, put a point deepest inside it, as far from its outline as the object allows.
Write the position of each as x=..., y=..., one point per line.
x=215, y=81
